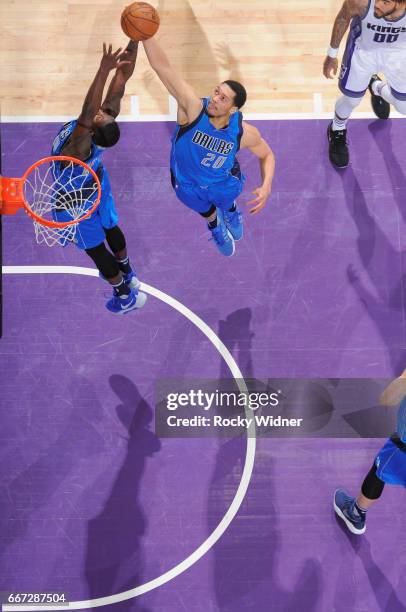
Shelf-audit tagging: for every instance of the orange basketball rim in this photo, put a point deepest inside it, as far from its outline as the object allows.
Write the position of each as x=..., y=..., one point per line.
x=41, y=193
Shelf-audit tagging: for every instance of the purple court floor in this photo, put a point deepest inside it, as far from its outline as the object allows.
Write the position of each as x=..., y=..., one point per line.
x=91, y=501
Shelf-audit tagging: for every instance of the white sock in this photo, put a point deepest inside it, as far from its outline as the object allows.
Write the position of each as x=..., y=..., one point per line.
x=339, y=124
x=343, y=109
x=377, y=87
x=386, y=94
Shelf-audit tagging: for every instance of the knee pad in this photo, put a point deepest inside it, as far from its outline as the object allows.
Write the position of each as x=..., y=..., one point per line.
x=104, y=260
x=209, y=213
x=372, y=486
x=115, y=239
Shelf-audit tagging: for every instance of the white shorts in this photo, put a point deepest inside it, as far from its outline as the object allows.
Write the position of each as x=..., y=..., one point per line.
x=359, y=65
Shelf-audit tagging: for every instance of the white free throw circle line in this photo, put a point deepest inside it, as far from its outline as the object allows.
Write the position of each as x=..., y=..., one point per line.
x=248, y=465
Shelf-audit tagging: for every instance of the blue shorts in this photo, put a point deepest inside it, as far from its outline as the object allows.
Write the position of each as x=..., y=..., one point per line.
x=391, y=464
x=90, y=232
x=201, y=197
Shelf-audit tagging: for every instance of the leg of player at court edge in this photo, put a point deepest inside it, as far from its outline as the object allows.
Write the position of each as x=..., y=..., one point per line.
x=382, y=98
x=209, y=132
x=389, y=465
x=342, y=112
x=86, y=138
x=337, y=131
x=376, y=41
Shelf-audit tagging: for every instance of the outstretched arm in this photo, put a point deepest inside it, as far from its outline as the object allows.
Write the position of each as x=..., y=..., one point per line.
x=395, y=392
x=116, y=90
x=80, y=141
x=188, y=101
x=350, y=9
x=252, y=140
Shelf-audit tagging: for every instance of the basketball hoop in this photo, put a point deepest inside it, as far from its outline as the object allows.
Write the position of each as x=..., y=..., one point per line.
x=57, y=192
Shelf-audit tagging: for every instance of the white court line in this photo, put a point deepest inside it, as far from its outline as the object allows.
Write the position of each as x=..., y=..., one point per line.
x=249, y=457
x=317, y=104
x=156, y=118
x=135, y=106
x=136, y=116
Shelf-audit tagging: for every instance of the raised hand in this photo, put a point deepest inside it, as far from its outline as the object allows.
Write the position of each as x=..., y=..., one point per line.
x=112, y=60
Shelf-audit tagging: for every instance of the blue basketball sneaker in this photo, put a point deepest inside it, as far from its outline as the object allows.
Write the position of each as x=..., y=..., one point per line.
x=233, y=221
x=222, y=237
x=130, y=279
x=120, y=305
x=344, y=508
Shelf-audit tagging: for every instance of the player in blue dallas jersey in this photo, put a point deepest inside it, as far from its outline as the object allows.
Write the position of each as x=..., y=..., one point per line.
x=85, y=139
x=205, y=172
x=389, y=465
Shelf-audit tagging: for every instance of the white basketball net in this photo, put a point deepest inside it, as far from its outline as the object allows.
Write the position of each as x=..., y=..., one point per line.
x=61, y=193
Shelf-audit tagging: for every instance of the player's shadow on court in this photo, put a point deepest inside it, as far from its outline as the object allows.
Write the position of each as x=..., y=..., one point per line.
x=381, y=131
x=235, y=332
x=246, y=557
x=114, y=557
x=31, y=491
x=381, y=262
x=383, y=590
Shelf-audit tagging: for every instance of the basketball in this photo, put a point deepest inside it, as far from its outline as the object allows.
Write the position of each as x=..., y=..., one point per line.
x=139, y=21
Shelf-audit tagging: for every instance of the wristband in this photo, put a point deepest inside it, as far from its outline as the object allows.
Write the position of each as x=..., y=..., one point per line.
x=331, y=52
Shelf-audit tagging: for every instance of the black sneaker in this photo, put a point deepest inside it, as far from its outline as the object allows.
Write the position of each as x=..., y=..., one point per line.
x=337, y=147
x=380, y=106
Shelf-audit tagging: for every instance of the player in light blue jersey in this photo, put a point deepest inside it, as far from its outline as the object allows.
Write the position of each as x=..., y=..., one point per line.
x=85, y=139
x=389, y=465
x=205, y=172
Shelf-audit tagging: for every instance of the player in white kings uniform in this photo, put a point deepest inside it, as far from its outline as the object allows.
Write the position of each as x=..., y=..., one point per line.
x=376, y=43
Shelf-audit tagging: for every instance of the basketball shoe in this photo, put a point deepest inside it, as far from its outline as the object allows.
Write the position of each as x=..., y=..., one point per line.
x=120, y=305
x=337, y=147
x=233, y=222
x=222, y=237
x=344, y=508
x=130, y=279
x=380, y=106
